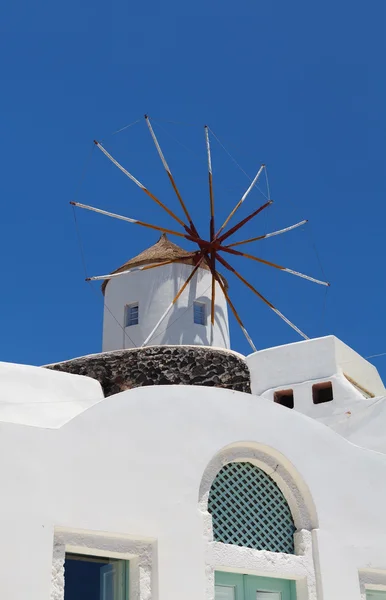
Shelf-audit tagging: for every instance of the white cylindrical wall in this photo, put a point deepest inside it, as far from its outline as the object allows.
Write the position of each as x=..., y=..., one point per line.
x=154, y=290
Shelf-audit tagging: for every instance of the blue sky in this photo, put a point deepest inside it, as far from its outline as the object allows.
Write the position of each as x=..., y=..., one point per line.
x=299, y=86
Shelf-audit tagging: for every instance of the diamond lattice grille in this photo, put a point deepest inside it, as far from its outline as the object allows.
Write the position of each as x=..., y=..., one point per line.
x=248, y=509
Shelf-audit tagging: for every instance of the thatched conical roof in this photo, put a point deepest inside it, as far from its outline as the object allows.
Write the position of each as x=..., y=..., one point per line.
x=163, y=250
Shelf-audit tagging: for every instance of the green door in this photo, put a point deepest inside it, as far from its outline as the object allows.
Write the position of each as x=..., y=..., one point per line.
x=233, y=586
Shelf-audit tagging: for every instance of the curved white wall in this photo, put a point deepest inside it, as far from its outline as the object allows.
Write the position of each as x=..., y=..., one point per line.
x=154, y=290
x=44, y=398
x=123, y=478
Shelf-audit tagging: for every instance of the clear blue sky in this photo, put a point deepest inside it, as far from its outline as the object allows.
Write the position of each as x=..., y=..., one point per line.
x=297, y=85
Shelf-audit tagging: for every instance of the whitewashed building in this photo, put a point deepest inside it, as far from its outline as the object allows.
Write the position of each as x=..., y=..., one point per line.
x=185, y=470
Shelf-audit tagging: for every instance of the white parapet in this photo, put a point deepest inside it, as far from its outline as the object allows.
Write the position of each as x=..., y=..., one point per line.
x=312, y=360
x=44, y=398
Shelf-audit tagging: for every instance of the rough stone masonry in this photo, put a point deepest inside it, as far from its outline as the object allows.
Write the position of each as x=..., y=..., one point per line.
x=161, y=365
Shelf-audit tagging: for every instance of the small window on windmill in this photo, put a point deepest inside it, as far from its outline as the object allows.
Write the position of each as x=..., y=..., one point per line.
x=131, y=314
x=285, y=398
x=199, y=313
x=322, y=392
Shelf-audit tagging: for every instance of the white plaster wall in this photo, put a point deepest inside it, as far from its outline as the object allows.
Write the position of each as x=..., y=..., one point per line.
x=363, y=423
x=154, y=290
x=314, y=359
x=131, y=467
x=360, y=370
x=41, y=397
x=357, y=418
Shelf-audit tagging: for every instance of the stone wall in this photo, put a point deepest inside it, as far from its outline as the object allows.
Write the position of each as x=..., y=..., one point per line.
x=161, y=365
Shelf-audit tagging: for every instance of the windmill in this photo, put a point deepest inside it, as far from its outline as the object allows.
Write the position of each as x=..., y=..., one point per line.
x=211, y=252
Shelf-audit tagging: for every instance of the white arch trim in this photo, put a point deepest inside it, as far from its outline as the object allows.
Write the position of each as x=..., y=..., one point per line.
x=280, y=469
x=303, y=566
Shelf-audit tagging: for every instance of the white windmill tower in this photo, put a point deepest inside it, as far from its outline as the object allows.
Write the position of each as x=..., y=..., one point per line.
x=136, y=302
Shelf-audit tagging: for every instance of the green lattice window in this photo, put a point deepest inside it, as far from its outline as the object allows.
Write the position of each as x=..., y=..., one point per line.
x=248, y=509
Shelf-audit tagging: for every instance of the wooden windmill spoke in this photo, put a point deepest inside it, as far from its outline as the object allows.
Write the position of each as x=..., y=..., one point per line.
x=192, y=228
x=271, y=264
x=211, y=197
x=240, y=201
x=212, y=308
x=243, y=222
x=233, y=309
x=211, y=260
x=180, y=291
x=128, y=220
x=267, y=235
x=267, y=302
x=213, y=252
x=140, y=185
x=140, y=268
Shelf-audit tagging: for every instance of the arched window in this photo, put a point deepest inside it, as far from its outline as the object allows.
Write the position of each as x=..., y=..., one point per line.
x=248, y=509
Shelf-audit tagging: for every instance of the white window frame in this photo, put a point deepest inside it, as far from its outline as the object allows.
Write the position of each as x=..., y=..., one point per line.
x=128, y=309
x=202, y=307
x=139, y=553
x=121, y=578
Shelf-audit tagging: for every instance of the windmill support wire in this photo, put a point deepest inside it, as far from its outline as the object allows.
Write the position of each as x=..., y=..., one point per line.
x=169, y=308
